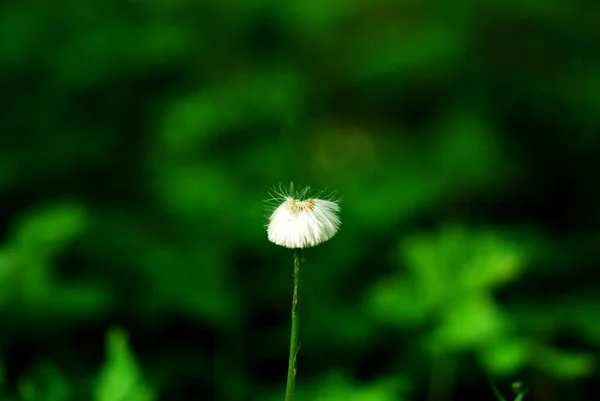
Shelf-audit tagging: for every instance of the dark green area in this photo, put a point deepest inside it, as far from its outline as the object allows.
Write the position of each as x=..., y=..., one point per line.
x=139, y=139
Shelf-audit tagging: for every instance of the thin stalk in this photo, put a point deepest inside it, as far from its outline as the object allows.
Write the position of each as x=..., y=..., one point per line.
x=497, y=392
x=294, y=337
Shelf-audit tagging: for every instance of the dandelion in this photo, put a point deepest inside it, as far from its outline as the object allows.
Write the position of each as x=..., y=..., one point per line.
x=299, y=222
x=302, y=223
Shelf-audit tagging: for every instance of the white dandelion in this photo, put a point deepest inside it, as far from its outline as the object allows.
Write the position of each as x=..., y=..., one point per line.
x=303, y=223
x=299, y=223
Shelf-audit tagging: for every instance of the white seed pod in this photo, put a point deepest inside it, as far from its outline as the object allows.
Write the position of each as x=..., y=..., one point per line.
x=301, y=222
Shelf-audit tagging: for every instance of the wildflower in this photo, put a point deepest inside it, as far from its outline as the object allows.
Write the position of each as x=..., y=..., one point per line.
x=298, y=222
x=302, y=223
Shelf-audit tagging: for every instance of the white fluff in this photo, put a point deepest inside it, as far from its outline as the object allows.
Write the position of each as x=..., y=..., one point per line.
x=303, y=223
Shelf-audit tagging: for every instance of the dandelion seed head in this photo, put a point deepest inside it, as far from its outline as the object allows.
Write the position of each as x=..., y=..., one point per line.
x=300, y=222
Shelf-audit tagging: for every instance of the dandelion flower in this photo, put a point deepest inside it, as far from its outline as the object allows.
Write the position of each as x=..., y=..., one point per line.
x=299, y=222
x=302, y=223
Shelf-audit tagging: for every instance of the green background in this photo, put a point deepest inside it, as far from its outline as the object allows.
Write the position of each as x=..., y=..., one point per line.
x=138, y=142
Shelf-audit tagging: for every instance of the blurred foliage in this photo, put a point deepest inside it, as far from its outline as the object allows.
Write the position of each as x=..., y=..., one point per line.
x=139, y=140
x=120, y=378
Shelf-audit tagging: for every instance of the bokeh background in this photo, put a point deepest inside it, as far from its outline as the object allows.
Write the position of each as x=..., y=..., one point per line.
x=138, y=143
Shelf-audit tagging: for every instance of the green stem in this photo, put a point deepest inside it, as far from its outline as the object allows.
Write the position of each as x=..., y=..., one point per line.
x=497, y=392
x=294, y=337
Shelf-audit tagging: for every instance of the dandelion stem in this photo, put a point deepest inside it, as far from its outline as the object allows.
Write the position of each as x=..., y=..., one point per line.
x=294, y=337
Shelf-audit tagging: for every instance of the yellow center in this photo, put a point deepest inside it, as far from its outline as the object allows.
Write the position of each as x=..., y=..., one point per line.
x=296, y=206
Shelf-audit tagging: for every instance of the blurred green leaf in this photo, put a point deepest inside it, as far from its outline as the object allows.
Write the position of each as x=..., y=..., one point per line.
x=319, y=17
x=44, y=382
x=562, y=364
x=468, y=323
x=47, y=230
x=454, y=260
x=25, y=26
x=505, y=356
x=397, y=51
x=339, y=387
x=467, y=151
x=120, y=379
x=193, y=121
x=394, y=301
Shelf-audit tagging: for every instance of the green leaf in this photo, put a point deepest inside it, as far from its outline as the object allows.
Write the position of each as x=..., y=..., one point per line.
x=120, y=378
x=506, y=356
x=46, y=231
x=394, y=301
x=469, y=323
x=561, y=364
x=45, y=382
x=340, y=387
